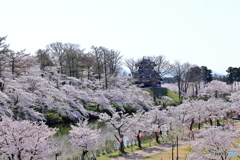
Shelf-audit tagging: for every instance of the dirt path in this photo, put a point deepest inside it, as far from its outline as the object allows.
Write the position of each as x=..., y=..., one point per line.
x=148, y=151
x=156, y=149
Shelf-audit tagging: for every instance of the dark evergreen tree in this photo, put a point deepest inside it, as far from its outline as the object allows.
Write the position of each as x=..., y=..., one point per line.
x=206, y=74
x=233, y=76
x=230, y=76
x=194, y=76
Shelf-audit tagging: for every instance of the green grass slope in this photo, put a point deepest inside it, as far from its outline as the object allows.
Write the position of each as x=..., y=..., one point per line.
x=164, y=92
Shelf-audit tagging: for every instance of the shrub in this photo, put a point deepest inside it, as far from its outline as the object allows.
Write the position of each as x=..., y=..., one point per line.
x=53, y=117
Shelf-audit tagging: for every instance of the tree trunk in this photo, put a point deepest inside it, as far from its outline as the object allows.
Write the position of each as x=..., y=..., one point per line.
x=121, y=147
x=191, y=125
x=179, y=95
x=154, y=94
x=235, y=86
x=98, y=108
x=99, y=77
x=154, y=99
x=88, y=73
x=218, y=123
x=61, y=68
x=210, y=121
x=19, y=155
x=216, y=94
x=193, y=91
x=172, y=149
x=196, y=91
x=13, y=68
x=105, y=71
x=1, y=86
x=83, y=155
x=69, y=67
x=177, y=147
x=199, y=122
x=179, y=90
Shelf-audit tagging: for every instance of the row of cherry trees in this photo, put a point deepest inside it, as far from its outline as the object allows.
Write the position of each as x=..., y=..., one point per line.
x=218, y=140
x=178, y=121
x=36, y=92
x=214, y=88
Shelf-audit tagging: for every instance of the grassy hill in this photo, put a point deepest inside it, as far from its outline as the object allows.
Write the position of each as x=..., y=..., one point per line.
x=164, y=92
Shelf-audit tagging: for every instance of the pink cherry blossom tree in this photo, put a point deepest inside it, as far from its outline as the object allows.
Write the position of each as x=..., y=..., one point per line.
x=158, y=120
x=121, y=124
x=215, y=88
x=191, y=112
x=84, y=137
x=140, y=124
x=215, y=108
x=25, y=140
x=216, y=140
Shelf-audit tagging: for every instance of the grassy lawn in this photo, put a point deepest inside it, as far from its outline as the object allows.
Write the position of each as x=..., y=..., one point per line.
x=127, y=150
x=114, y=154
x=171, y=94
x=130, y=149
x=183, y=151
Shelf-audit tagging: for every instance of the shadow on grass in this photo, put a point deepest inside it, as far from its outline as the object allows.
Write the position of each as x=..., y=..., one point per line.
x=163, y=91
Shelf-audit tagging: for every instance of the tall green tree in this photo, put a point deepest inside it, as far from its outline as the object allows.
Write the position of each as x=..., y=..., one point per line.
x=43, y=58
x=194, y=76
x=72, y=60
x=230, y=76
x=206, y=74
x=233, y=76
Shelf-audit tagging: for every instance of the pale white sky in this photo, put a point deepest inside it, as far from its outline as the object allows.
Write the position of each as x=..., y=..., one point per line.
x=202, y=32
